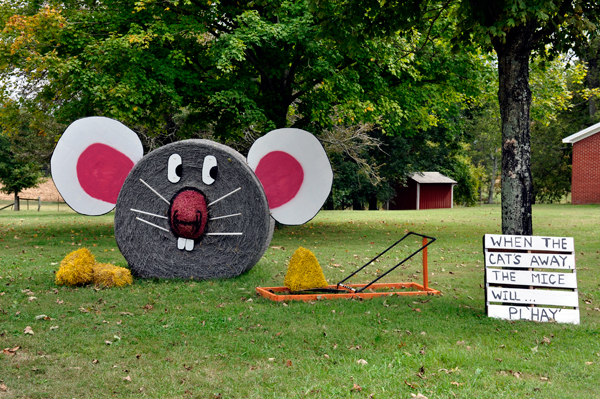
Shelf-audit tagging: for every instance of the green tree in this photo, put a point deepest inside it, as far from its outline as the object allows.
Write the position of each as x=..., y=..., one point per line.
x=514, y=29
x=16, y=174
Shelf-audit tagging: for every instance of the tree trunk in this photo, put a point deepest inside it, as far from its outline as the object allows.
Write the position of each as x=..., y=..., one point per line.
x=17, y=205
x=373, y=203
x=493, y=179
x=357, y=205
x=514, y=97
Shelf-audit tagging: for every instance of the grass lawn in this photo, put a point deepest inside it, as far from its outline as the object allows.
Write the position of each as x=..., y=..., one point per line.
x=217, y=339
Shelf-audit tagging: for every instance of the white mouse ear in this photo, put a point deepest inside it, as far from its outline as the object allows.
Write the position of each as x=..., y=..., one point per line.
x=295, y=172
x=91, y=161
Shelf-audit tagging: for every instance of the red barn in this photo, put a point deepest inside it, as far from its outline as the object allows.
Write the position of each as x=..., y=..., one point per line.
x=585, y=181
x=424, y=190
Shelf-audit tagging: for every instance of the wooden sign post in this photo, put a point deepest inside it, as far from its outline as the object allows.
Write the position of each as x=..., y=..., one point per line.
x=531, y=278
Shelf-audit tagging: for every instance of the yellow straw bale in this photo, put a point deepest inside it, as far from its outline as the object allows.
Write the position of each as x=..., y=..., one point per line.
x=304, y=272
x=108, y=275
x=76, y=268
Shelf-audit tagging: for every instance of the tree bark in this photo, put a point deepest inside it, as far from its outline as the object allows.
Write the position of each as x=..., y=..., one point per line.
x=514, y=96
x=17, y=205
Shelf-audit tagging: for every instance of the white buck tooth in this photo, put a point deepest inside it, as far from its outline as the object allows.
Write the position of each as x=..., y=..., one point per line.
x=189, y=245
x=181, y=243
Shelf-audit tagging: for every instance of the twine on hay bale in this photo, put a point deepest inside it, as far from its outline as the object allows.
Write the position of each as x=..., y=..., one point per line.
x=153, y=252
x=304, y=272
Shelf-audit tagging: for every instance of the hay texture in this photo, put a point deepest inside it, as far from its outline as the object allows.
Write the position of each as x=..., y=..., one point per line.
x=107, y=275
x=304, y=272
x=152, y=251
x=76, y=268
x=80, y=268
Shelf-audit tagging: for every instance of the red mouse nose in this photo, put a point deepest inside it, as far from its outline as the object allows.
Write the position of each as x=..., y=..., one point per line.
x=188, y=213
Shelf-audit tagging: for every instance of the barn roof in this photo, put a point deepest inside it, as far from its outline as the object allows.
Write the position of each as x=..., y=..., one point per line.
x=582, y=134
x=431, y=177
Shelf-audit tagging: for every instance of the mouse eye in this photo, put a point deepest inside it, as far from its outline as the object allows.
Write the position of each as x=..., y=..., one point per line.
x=210, y=170
x=175, y=169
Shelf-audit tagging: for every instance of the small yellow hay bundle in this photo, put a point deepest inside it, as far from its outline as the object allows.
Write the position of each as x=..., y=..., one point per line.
x=108, y=275
x=76, y=268
x=80, y=268
x=304, y=272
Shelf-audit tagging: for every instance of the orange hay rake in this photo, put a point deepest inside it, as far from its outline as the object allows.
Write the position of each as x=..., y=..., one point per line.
x=364, y=291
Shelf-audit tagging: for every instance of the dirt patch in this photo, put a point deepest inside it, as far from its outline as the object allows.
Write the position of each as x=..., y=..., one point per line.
x=47, y=191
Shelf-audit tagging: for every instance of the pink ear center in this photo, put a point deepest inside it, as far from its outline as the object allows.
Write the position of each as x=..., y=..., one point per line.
x=281, y=176
x=101, y=171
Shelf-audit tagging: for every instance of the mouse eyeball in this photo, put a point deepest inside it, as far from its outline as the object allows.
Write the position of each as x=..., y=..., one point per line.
x=175, y=168
x=210, y=170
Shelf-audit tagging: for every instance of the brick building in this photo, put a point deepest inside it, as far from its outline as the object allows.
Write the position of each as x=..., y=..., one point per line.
x=424, y=190
x=585, y=181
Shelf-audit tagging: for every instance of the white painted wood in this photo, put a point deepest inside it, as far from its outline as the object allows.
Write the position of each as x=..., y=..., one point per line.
x=535, y=243
x=452, y=196
x=534, y=314
x=532, y=297
x=318, y=175
x=531, y=278
x=418, y=195
x=529, y=261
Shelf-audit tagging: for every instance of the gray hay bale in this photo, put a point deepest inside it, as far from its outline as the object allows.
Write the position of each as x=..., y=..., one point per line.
x=153, y=252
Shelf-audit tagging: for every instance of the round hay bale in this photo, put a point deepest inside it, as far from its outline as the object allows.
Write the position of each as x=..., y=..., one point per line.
x=163, y=198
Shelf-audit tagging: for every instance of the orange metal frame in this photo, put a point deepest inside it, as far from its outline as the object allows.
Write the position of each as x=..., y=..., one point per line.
x=284, y=294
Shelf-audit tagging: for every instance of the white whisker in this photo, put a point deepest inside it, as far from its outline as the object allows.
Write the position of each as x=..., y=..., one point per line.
x=148, y=213
x=152, y=224
x=155, y=192
x=225, y=196
x=224, y=234
x=226, y=216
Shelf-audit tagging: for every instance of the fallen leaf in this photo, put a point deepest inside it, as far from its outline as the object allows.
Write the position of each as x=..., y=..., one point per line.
x=288, y=363
x=11, y=351
x=362, y=362
x=60, y=302
x=83, y=310
x=356, y=388
x=95, y=361
x=546, y=341
x=543, y=378
x=31, y=298
x=456, y=383
x=40, y=317
x=419, y=396
x=534, y=349
x=126, y=313
x=108, y=342
x=28, y=330
x=460, y=343
x=3, y=388
x=588, y=363
x=53, y=328
x=128, y=378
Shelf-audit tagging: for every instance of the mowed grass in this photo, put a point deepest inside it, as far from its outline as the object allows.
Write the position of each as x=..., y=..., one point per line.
x=217, y=339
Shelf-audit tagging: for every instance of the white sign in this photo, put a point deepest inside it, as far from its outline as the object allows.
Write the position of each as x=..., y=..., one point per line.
x=532, y=297
x=545, y=265
x=533, y=243
x=528, y=261
x=534, y=313
x=531, y=278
